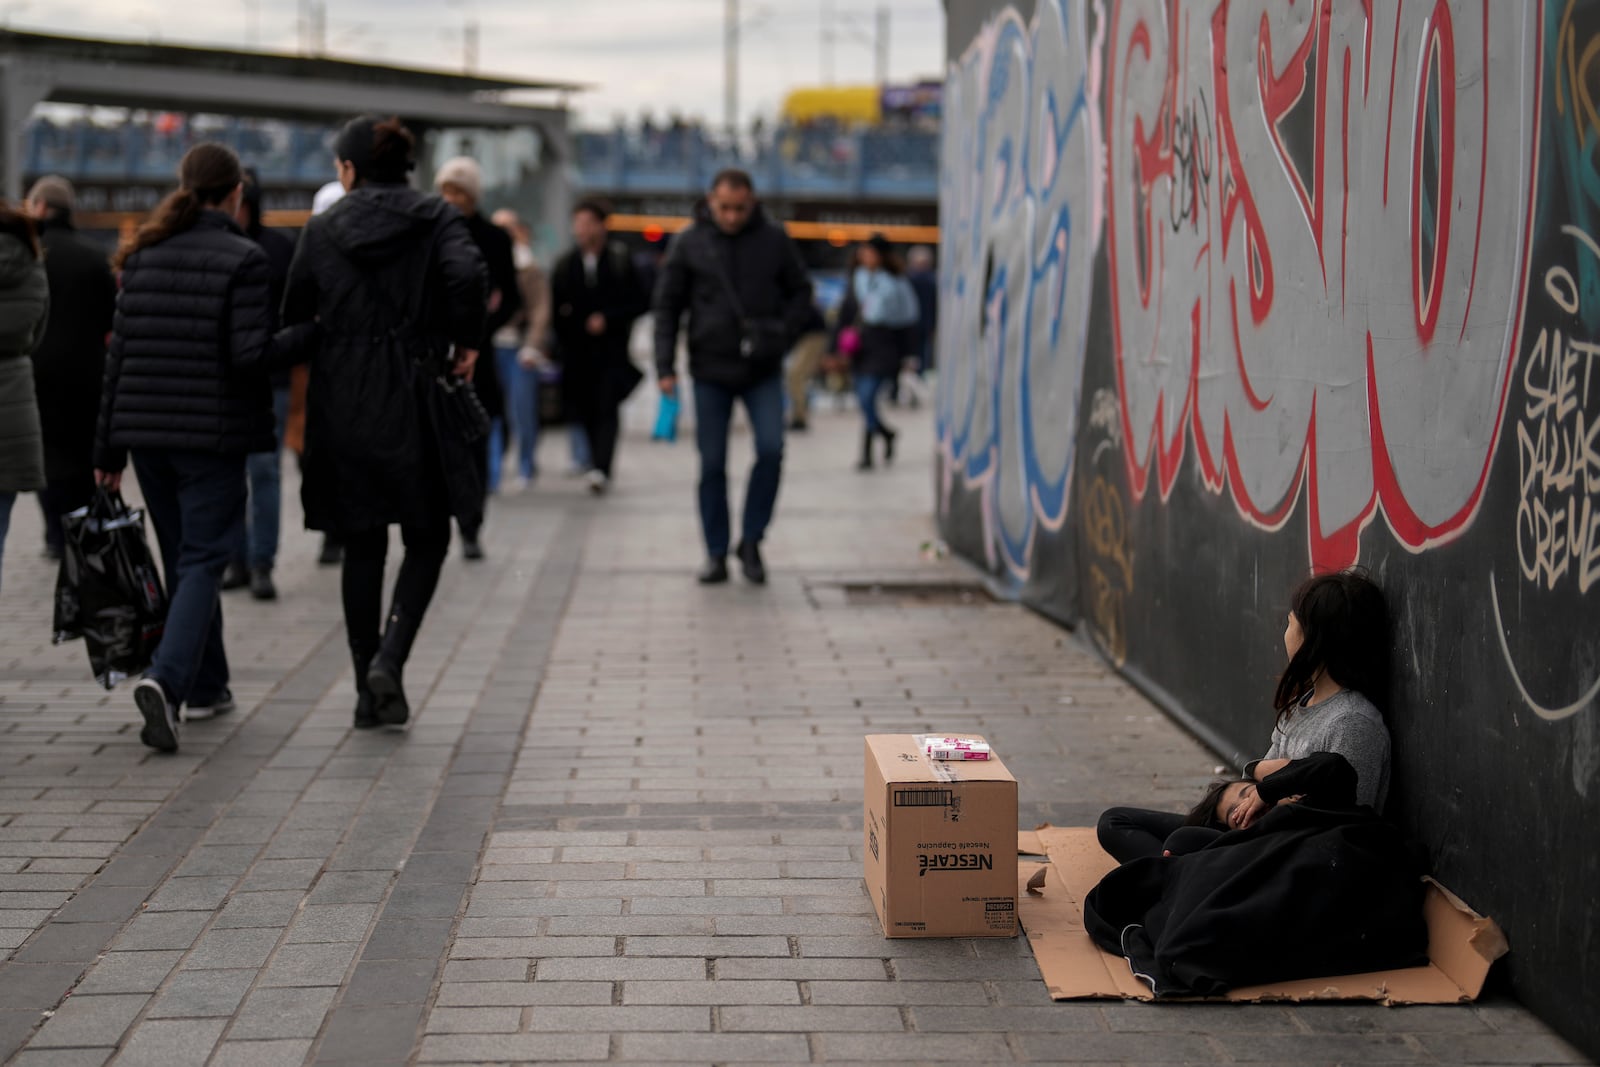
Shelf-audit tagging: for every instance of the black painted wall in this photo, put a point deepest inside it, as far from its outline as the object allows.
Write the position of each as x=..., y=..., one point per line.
x=1232, y=291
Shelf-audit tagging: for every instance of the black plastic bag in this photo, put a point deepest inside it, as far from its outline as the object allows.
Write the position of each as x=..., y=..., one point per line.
x=108, y=590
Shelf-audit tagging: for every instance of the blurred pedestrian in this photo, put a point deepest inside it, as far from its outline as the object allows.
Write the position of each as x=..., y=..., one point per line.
x=24, y=310
x=400, y=290
x=804, y=363
x=257, y=554
x=925, y=283
x=331, y=553
x=595, y=299
x=519, y=351
x=187, y=392
x=70, y=361
x=460, y=182
x=745, y=288
x=888, y=315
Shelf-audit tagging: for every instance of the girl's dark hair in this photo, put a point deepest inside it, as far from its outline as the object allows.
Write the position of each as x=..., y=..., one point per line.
x=381, y=149
x=1345, y=622
x=207, y=174
x=20, y=226
x=1205, y=813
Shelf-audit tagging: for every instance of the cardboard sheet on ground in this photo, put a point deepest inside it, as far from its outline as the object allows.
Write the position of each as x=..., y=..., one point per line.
x=1050, y=895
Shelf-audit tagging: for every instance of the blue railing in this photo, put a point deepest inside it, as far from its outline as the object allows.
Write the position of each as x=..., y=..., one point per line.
x=789, y=161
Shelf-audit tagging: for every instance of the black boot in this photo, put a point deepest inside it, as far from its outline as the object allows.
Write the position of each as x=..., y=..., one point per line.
x=866, y=452
x=384, y=677
x=366, y=717
x=888, y=444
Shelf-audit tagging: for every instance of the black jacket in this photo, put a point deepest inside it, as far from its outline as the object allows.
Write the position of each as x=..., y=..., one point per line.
x=1313, y=889
x=83, y=298
x=190, y=346
x=395, y=280
x=280, y=253
x=594, y=370
x=760, y=264
x=494, y=244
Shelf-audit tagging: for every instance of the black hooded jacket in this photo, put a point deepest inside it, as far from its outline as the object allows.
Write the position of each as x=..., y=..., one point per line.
x=83, y=298
x=394, y=279
x=191, y=347
x=760, y=264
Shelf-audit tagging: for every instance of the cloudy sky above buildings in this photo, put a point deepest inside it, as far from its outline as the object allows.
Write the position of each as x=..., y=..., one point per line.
x=656, y=55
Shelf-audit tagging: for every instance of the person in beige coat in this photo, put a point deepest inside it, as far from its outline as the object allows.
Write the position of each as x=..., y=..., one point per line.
x=24, y=310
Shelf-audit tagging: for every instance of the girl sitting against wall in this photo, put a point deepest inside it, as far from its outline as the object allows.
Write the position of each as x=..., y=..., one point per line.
x=1337, y=643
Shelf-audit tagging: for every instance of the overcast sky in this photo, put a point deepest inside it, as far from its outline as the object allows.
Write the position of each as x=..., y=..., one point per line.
x=663, y=55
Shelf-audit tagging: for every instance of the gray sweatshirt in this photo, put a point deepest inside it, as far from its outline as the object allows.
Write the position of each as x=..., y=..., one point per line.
x=1346, y=723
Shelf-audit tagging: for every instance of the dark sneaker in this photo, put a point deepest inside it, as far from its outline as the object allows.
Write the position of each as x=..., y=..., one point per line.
x=210, y=709
x=366, y=711
x=471, y=549
x=160, y=715
x=389, y=705
x=755, y=571
x=715, y=572
x=332, y=553
x=261, y=586
x=235, y=577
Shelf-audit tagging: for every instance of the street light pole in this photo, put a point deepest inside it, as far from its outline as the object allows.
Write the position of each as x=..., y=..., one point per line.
x=730, y=70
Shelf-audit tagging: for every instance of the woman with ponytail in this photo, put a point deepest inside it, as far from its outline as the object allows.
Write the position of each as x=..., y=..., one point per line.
x=400, y=291
x=186, y=392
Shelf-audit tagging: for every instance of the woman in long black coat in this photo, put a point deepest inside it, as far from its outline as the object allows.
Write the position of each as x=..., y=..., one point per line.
x=400, y=291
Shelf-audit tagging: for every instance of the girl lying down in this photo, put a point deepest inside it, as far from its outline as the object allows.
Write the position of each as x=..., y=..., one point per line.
x=1285, y=878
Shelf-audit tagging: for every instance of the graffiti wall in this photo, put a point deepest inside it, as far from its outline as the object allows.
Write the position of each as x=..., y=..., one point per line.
x=1233, y=290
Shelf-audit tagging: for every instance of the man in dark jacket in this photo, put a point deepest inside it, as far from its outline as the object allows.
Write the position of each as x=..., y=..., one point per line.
x=595, y=298
x=745, y=288
x=460, y=182
x=258, y=552
x=71, y=359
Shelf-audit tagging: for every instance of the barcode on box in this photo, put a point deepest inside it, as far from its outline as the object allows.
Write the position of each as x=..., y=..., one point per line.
x=923, y=798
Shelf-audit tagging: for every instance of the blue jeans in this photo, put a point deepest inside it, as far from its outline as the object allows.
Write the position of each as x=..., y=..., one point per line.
x=197, y=502
x=264, y=472
x=713, y=412
x=868, y=386
x=7, y=499
x=578, y=441
x=521, y=386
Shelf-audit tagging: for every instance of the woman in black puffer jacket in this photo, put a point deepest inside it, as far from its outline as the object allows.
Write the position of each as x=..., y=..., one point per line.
x=24, y=308
x=187, y=393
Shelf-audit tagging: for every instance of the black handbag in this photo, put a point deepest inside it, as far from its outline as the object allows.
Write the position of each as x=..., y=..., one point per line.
x=762, y=339
x=459, y=408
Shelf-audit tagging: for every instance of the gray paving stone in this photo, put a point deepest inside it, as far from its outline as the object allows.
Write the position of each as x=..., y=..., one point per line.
x=310, y=964
x=661, y=1019
x=36, y=986
x=199, y=893
x=926, y=1048
x=1145, y=1048
x=523, y=993
x=167, y=930
x=510, y=970
x=846, y=970
x=706, y=946
x=282, y=1012
x=281, y=874
x=811, y=1019
x=1485, y=1048
x=408, y=939
x=128, y=972
x=714, y=1048
x=938, y=993
x=98, y=904
x=708, y=992
x=60, y=942
x=89, y=1021
x=291, y=1053
x=390, y=982
x=618, y=969
x=232, y=948
x=332, y=922
x=199, y=994
x=513, y=1048
x=370, y=1034
x=62, y=1057
x=1056, y=1017
x=274, y=908
x=475, y=1021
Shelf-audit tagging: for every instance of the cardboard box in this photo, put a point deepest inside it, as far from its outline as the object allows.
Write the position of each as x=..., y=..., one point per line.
x=1062, y=864
x=940, y=860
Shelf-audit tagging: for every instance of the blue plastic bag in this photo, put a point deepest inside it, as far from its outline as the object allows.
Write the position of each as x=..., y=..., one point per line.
x=666, y=419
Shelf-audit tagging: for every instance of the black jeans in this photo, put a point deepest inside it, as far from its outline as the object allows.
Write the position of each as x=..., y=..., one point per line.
x=362, y=577
x=1136, y=833
x=602, y=424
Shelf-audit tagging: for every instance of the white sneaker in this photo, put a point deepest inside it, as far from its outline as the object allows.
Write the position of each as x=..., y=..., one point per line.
x=598, y=482
x=160, y=715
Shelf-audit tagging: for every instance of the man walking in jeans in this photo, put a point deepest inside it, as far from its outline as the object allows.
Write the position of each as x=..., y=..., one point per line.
x=748, y=297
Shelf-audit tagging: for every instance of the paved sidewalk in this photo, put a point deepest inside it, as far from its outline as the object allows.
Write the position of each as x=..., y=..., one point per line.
x=625, y=825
